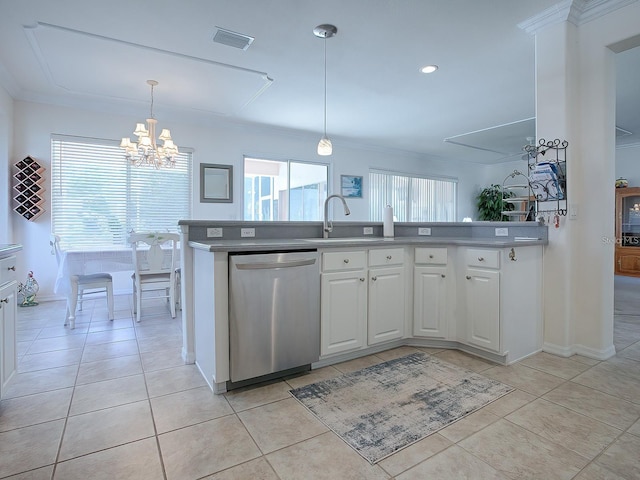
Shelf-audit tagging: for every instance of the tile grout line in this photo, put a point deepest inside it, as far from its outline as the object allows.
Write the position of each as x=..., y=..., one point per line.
x=153, y=419
x=66, y=419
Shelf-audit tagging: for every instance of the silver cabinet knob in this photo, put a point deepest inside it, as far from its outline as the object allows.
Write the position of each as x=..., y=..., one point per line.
x=374, y=278
x=362, y=279
x=481, y=259
x=430, y=256
x=468, y=277
x=346, y=260
x=388, y=257
x=442, y=275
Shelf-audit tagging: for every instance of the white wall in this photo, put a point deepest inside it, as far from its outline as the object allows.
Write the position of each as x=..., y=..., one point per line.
x=215, y=143
x=628, y=164
x=6, y=131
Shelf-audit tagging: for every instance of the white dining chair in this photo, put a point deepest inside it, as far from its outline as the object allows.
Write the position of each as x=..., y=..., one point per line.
x=82, y=285
x=154, y=257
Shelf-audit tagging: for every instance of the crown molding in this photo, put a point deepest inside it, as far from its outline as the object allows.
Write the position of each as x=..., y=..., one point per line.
x=576, y=12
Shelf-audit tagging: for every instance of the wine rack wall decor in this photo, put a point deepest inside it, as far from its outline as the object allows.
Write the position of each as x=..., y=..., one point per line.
x=28, y=188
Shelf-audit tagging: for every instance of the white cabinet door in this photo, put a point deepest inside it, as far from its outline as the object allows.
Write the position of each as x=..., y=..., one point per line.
x=430, y=302
x=482, y=289
x=386, y=304
x=344, y=311
x=8, y=302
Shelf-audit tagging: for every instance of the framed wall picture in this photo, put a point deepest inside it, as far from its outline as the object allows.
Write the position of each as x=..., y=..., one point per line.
x=216, y=183
x=351, y=186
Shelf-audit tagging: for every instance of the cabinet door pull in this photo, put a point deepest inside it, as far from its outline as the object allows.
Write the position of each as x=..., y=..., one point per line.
x=468, y=277
x=346, y=260
x=481, y=259
x=388, y=257
x=5, y=300
x=512, y=255
x=362, y=279
x=374, y=278
x=430, y=256
x=12, y=268
x=442, y=275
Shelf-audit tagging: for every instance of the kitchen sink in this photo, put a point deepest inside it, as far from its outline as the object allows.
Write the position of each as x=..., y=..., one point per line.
x=343, y=240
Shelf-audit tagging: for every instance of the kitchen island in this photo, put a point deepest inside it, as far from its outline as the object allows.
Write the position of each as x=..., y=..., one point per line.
x=470, y=286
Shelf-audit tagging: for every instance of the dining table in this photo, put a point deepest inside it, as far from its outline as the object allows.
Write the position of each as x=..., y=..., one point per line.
x=85, y=261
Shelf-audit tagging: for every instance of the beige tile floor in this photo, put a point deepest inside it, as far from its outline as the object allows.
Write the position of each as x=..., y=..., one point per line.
x=113, y=400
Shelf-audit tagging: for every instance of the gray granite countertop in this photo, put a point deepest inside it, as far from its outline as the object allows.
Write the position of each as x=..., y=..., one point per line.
x=7, y=249
x=249, y=245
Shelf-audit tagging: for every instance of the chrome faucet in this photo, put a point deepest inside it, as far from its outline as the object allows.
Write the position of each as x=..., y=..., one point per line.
x=327, y=226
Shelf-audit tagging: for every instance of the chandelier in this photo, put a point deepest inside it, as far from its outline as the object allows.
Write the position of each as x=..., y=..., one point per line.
x=325, y=31
x=146, y=151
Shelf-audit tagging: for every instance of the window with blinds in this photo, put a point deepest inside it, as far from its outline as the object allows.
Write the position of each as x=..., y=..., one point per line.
x=413, y=198
x=97, y=197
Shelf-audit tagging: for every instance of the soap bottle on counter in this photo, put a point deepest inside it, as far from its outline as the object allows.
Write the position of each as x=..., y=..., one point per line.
x=387, y=221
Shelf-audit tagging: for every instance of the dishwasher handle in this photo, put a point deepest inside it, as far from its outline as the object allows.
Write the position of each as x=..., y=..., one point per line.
x=270, y=265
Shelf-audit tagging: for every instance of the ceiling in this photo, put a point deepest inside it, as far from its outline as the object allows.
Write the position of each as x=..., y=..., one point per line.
x=478, y=107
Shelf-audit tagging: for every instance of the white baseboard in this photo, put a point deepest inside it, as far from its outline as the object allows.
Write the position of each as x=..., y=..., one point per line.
x=567, y=351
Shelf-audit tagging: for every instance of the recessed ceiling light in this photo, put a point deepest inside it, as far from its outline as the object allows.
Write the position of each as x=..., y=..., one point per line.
x=429, y=69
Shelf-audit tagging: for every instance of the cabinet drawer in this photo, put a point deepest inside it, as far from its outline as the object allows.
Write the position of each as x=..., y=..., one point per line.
x=431, y=256
x=477, y=257
x=7, y=269
x=386, y=256
x=341, y=261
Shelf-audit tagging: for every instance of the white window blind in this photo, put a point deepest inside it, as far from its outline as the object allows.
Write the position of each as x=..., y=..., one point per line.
x=97, y=197
x=413, y=198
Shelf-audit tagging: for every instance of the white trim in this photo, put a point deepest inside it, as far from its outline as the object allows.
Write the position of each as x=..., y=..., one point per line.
x=562, y=351
x=597, y=354
x=577, y=12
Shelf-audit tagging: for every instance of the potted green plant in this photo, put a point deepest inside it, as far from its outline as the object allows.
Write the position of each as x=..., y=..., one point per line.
x=491, y=204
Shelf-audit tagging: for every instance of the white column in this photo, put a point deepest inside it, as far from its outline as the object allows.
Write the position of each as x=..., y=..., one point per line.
x=575, y=101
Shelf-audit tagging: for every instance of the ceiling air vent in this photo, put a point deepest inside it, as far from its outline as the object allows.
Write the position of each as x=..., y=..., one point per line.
x=232, y=39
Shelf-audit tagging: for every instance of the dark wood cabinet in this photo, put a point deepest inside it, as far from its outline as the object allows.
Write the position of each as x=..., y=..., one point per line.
x=627, y=249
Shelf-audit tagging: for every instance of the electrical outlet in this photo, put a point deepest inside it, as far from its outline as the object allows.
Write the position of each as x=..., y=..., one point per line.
x=367, y=230
x=502, y=232
x=247, y=232
x=424, y=231
x=214, y=232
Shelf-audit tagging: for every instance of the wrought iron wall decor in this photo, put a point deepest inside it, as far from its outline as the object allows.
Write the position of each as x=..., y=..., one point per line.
x=539, y=193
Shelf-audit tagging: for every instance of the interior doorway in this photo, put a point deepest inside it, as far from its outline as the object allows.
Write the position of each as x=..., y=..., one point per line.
x=626, y=315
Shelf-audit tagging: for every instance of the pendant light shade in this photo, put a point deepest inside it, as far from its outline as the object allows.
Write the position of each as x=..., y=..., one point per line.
x=325, y=31
x=324, y=146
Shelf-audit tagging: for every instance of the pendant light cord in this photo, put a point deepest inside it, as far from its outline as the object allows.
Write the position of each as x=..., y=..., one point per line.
x=325, y=87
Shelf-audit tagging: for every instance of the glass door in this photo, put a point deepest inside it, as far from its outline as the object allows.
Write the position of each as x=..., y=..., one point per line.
x=630, y=221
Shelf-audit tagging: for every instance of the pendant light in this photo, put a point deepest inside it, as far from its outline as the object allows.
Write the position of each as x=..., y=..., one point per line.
x=325, y=31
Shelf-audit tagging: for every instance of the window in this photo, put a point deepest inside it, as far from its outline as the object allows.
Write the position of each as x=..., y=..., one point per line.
x=284, y=190
x=97, y=197
x=413, y=198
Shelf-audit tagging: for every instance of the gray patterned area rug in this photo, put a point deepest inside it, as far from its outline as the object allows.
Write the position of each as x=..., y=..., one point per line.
x=383, y=408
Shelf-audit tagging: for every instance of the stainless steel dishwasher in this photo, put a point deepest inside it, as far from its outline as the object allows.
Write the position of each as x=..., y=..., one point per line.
x=274, y=314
